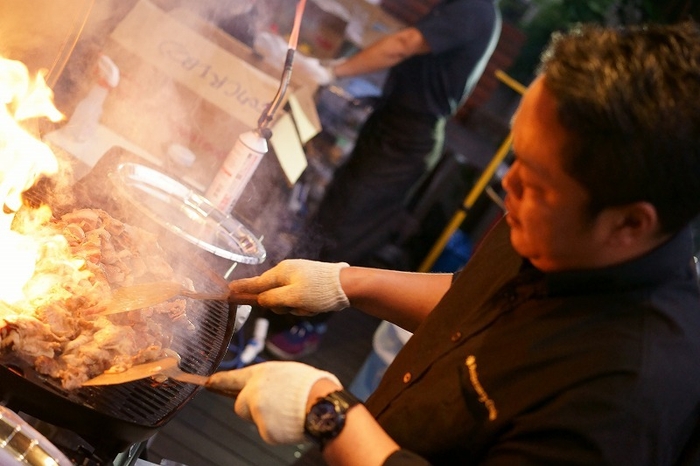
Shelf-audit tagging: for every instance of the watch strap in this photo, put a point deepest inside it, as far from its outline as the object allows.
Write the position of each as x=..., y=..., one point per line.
x=343, y=398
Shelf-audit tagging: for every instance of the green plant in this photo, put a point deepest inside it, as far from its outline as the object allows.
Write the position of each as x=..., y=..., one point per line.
x=547, y=16
x=550, y=16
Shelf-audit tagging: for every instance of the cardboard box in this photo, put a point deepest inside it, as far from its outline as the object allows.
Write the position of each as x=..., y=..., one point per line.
x=185, y=82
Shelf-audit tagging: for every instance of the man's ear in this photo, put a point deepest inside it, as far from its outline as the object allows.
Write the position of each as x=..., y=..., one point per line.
x=635, y=224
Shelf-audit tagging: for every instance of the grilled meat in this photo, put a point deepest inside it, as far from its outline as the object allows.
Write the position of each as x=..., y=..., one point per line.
x=58, y=330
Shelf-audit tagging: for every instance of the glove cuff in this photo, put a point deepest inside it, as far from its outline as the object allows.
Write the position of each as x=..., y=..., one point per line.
x=290, y=412
x=335, y=298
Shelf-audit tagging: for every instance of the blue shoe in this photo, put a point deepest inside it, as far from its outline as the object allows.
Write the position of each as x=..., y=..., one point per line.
x=297, y=342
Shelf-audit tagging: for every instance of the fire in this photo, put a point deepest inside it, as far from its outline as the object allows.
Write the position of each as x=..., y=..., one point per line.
x=23, y=159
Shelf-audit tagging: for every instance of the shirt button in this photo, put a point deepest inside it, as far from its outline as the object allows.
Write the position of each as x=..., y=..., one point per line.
x=456, y=336
x=407, y=377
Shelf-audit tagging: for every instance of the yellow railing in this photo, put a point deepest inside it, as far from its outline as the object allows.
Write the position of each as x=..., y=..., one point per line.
x=479, y=187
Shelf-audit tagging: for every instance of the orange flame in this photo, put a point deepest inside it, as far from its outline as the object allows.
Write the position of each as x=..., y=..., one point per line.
x=23, y=159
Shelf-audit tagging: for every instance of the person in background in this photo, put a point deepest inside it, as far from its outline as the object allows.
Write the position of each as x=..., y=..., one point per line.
x=572, y=336
x=241, y=19
x=433, y=67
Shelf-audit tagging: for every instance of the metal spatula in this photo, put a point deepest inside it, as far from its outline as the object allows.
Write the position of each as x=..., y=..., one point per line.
x=134, y=297
x=168, y=367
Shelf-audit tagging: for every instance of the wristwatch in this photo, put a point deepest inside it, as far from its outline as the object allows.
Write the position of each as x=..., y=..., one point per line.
x=326, y=418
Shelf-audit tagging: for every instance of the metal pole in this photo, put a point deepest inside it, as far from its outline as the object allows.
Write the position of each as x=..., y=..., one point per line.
x=468, y=203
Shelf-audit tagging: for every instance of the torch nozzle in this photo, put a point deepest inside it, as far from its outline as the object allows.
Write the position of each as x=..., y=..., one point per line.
x=271, y=109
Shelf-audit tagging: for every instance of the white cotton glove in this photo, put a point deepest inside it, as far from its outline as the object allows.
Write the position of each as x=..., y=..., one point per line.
x=274, y=50
x=273, y=395
x=313, y=69
x=298, y=286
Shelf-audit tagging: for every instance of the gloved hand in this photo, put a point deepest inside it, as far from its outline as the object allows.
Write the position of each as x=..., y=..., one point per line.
x=273, y=395
x=310, y=68
x=297, y=286
x=274, y=50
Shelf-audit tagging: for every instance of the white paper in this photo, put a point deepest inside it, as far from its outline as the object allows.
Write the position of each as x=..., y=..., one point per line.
x=288, y=147
x=308, y=127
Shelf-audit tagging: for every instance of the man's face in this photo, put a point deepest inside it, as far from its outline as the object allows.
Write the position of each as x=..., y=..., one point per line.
x=546, y=206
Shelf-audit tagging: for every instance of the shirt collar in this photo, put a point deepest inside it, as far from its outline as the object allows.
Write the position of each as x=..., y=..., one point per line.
x=671, y=260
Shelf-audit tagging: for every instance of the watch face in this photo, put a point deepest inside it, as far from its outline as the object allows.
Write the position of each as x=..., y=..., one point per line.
x=323, y=419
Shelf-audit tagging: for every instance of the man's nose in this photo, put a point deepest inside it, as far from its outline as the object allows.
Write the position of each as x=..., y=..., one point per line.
x=511, y=182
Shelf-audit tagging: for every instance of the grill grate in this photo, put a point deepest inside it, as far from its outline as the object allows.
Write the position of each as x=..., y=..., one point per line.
x=143, y=403
x=114, y=417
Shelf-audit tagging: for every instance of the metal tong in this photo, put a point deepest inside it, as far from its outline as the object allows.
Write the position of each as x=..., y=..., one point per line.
x=168, y=366
x=143, y=295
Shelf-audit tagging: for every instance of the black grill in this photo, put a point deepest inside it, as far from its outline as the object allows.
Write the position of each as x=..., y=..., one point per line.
x=111, y=418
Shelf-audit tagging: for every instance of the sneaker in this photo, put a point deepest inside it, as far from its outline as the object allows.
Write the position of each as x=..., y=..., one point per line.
x=297, y=342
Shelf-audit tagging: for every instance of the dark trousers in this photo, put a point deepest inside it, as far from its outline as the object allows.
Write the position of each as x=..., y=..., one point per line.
x=362, y=207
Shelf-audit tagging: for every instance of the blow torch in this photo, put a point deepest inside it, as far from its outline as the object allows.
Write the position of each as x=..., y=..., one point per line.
x=251, y=146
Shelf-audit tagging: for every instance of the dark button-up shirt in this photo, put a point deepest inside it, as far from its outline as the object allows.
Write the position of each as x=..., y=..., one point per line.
x=515, y=366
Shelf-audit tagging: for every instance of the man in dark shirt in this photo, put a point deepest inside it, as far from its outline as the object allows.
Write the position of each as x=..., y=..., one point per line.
x=572, y=336
x=433, y=66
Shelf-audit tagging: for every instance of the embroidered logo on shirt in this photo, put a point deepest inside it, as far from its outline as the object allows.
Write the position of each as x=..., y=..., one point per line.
x=483, y=397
